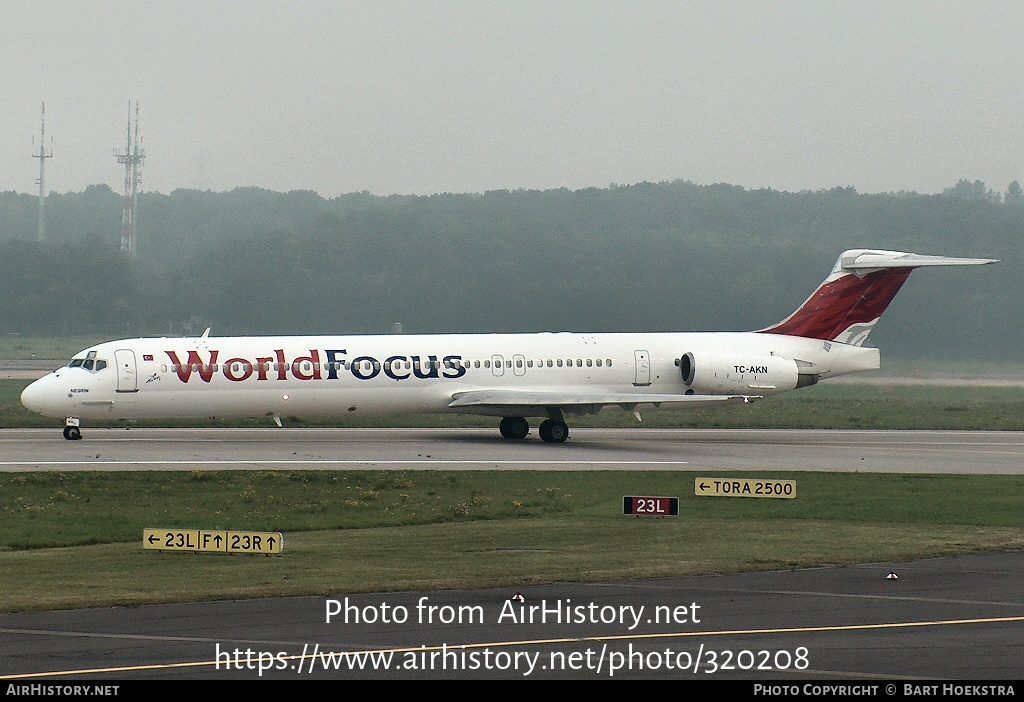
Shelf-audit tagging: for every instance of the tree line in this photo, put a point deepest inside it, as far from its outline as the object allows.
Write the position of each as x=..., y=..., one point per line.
x=646, y=257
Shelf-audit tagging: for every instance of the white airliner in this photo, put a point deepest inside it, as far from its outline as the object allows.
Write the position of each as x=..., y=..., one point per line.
x=513, y=376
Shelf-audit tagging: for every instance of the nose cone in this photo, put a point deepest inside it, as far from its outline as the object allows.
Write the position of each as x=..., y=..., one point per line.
x=43, y=397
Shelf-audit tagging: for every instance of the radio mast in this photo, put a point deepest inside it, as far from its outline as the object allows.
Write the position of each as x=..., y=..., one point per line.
x=132, y=160
x=42, y=156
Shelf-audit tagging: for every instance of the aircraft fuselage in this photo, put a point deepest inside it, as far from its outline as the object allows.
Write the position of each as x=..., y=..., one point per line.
x=340, y=375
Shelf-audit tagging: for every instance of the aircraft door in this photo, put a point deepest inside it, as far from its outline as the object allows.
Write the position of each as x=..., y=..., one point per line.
x=497, y=365
x=127, y=380
x=519, y=364
x=643, y=368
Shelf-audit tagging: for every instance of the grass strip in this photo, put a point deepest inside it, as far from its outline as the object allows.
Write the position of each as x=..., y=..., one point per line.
x=512, y=553
x=74, y=539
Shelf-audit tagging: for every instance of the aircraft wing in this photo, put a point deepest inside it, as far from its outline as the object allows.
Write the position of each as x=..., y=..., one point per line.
x=522, y=399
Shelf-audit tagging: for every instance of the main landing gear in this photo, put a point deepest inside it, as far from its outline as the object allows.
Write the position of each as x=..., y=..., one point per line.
x=553, y=430
x=514, y=428
x=72, y=432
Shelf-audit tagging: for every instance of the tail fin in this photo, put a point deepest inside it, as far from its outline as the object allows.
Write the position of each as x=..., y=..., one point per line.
x=863, y=282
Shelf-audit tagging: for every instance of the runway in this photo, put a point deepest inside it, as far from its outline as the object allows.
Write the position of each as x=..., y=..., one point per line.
x=483, y=449
x=942, y=619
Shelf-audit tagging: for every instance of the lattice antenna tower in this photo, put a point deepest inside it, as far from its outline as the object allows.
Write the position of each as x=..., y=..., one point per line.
x=132, y=160
x=42, y=156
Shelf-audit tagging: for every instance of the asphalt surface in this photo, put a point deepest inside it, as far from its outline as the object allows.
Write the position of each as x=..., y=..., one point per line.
x=483, y=449
x=942, y=619
x=28, y=369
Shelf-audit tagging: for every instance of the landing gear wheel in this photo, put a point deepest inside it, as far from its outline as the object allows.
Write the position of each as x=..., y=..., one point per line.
x=514, y=428
x=72, y=433
x=553, y=432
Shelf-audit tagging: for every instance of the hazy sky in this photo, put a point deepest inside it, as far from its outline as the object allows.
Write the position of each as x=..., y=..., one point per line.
x=425, y=97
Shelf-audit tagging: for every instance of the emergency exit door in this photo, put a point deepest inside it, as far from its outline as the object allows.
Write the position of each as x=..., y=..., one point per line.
x=643, y=368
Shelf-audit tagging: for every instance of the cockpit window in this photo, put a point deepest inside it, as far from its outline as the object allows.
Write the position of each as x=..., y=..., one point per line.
x=90, y=364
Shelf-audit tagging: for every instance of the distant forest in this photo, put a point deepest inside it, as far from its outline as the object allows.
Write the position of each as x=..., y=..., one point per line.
x=645, y=257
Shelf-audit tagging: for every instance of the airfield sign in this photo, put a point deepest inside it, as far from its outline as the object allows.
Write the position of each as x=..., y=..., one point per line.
x=651, y=506
x=212, y=541
x=170, y=539
x=255, y=542
x=204, y=541
x=745, y=487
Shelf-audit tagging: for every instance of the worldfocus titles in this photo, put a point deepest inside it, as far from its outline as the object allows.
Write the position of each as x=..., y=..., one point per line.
x=277, y=367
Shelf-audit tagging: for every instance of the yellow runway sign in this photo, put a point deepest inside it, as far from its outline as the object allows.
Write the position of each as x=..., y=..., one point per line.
x=213, y=541
x=170, y=539
x=200, y=540
x=745, y=487
x=255, y=542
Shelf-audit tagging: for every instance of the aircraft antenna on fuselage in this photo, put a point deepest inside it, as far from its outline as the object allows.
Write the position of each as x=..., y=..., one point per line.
x=206, y=333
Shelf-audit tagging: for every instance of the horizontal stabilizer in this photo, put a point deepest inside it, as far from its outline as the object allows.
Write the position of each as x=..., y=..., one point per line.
x=869, y=261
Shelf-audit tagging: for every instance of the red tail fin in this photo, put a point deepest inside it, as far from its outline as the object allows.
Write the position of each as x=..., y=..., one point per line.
x=863, y=282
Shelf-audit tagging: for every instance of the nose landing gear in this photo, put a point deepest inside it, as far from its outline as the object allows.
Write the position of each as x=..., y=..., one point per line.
x=72, y=431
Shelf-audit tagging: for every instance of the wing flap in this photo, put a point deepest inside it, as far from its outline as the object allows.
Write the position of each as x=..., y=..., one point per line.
x=480, y=399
